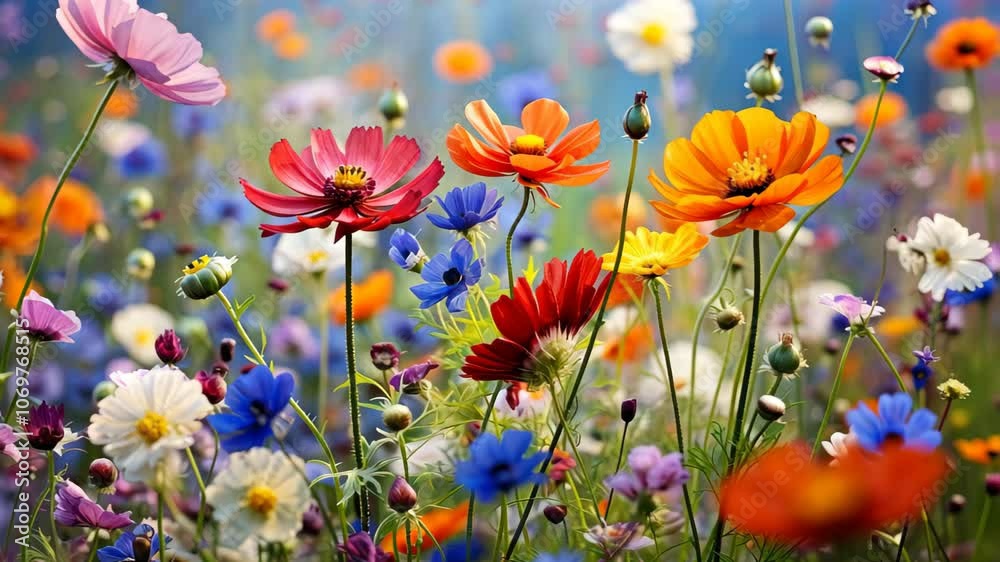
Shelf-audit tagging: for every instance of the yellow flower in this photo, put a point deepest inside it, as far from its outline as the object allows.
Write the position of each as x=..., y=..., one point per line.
x=652, y=254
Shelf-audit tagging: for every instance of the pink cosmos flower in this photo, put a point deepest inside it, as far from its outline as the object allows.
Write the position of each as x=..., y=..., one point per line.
x=855, y=309
x=45, y=322
x=352, y=187
x=126, y=38
x=75, y=509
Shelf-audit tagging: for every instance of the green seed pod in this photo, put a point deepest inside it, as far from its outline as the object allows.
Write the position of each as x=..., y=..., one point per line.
x=397, y=417
x=140, y=263
x=819, y=29
x=764, y=78
x=637, y=120
x=206, y=276
x=394, y=106
x=784, y=358
x=139, y=202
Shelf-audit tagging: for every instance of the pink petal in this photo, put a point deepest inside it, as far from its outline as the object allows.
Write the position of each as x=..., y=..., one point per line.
x=423, y=184
x=292, y=171
x=154, y=48
x=89, y=23
x=282, y=205
x=401, y=154
x=364, y=147
x=198, y=85
x=326, y=153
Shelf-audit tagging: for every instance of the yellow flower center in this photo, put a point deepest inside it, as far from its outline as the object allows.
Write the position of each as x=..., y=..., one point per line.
x=144, y=337
x=463, y=61
x=316, y=256
x=750, y=174
x=942, y=257
x=350, y=177
x=152, y=427
x=528, y=144
x=197, y=265
x=262, y=499
x=827, y=498
x=654, y=34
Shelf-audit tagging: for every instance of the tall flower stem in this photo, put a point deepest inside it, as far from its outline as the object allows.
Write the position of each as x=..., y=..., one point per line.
x=586, y=355
x=200, y=524
x=323, y=383
x=984, y=518
x=677, y=418
x=160, y=537
x=361, y=499
x=510, y=238
x=51, y=461
x=793, y=54
x=888, y=361
x=36, y=260
x=833, y=393
x=907, y=39
x=976, y=118
x=401, y=441
x=618, y=466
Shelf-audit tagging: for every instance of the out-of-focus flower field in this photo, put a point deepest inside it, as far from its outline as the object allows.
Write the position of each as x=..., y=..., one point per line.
x=445, y=280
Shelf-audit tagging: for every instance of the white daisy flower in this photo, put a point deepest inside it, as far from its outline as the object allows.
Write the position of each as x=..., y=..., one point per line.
x=260, y=494
x=949, y=257
x=151, y=414
x=652, y=35
x=838, y=445
x=312, y=251
x=136, y=326
x=531, y=404
x=956, y=100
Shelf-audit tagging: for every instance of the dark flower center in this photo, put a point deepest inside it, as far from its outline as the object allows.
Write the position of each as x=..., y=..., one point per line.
x=452, y=277
x=260, y=411
x=348, y=186
x=503, y=473
x=967, y=48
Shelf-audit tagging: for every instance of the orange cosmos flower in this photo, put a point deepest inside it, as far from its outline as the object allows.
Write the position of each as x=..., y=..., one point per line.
x=274, y=25
x=893, y=110
x=785, y=496
x=291, y=46
x=76, y=210
x=462, y=62
x=443, y=524
x=631, y=346
x=627, y=290
x=964, y=44
x=749, y=165
x=123, y=104
x=530, y=153
x=981, y=451
x=371, y=296
x=606, y=214
x=16, y=148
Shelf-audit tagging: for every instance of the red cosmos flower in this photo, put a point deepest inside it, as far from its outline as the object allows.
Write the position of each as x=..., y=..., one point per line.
x=539, y=329
x=789, y=498
x=352, y=187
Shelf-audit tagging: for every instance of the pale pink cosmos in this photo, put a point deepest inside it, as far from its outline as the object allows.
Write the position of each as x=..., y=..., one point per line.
x=855, y=309
x=119, y=32
x=45, y=322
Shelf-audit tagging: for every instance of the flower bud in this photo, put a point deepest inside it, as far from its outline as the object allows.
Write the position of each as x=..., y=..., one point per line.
x=140, y=264
x=737, y=265
x=394, y=106
x=277, y=285
x=102, y=390
x=771, y=408
x=819, y=29
x=848, y=144
x=555, y=513
x=784, y=357
x=45, y=427
x=139, y=202
x=99, y=232
x=103, y=473
x=385, y=356
x=832, y=346
x=884, y=68
x=629, y=408
x=205, y=276
x=401, y=497
x=956, y=504
x=213, y=386
x=227, y=349
x=637, y=120
x=917, y=9
x=728, y=317
x=764, y=78
x=397, y=417
x=312, y=521
x=169, y=348
x=993, y=484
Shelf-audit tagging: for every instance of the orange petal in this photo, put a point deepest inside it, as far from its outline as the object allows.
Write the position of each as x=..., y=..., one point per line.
x=545, y=118
x=713, y=135
x=781, y=190
x=482, y=117
x=764, y=133
x=579, y=142
x=576, y=175
x=690, y=170
x=801, y=133
x=824, y=179
x=531, y=164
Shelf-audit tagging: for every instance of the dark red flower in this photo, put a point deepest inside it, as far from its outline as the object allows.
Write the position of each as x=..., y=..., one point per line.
x=539, y=328
x=352, y=187
x=45, y=426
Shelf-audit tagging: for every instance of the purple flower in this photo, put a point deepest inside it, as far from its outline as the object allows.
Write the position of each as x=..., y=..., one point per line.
x=617, y=538
x=855, y=309
x=45, y=322
x=8, y=442
x=926, y=354
x=169, y=348
x=45, y=426
x=75, y=509
x=412, y=374
x=884, y=68
x=651, y=473
x=360, y=548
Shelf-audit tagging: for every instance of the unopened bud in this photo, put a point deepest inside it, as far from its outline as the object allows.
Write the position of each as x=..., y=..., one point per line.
x=848, y=144
x=169, y=348
x=394, y=106
x=139, y=202
x=103, y=389
x=227, y=349
x=385, y=356
x=764, y=78
x=956, y=504
x=629, y=408
x=728, y=317
x=401, y=497
x=993, y=484
x=555, y=513
x=213, y=386
x=397, y=417
x=103, y=473
x=784, y=357
x=140, y=264
x=637, y=120
x=771, y=408
x=819, y=29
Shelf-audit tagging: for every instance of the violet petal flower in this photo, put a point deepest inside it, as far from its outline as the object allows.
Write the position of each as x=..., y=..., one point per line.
x=45, y=322
x=884, y=68
x=855, y=309
x=412, y=374
x=926, y=354
x=8, y=442
x=75, y=509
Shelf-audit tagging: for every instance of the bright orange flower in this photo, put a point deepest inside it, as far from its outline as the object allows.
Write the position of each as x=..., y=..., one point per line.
x=530, y=153
x=20, y=225
x=371, y=296
x=76, y=210
x=785, y=496
x=749, y=165
x=462, y=62
x=275, y=25
x=13, y=280
x=982, y=451
x=443, y=524
x=368, y=76
x=626, y=290
x=893, y=110
x=964, y=44
x=123, y=104
x=291, y=46
x=606, y=214
x=897, y=326
x=631, y=346
x=16, y=148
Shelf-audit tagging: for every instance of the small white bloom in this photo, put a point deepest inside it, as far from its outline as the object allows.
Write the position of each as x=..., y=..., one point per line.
x=313, y=251
x=69, y=437
x=531, y=404
x=117, y=137
x=838, y=445
x=652, y=35
x=136, y=327
x=150, y=415
x=652, y=388
x=260, y=494
x=952, y=257
x=832, y=111
x=954, y=100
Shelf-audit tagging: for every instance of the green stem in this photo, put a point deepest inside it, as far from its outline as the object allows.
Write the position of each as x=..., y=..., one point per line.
x=94, y=541
x=773, y=391
x=909, y=37
x=401, y=441
x=677, y=418
x=984, y=517
x=888, y=361
x=51, y=461
x=510, y=239
x=361, y=505
x=793, y=54
x=501, y=529
x=160, y=537
x=618, y=466
x=833, y=394
x=199, y=525
x=586, y=355
x=323, y=383
x=976, y=117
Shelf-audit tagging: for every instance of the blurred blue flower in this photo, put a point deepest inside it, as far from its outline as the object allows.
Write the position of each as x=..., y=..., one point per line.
x=519, y=89
x=292, y=338
x=224, y=207
x=454, y=551
x=467, y=207
x=122, y=551
x=146, y=160
x=406, y=332
x=254, y=401
x=192, y=120
x=449, y=277
x=979, y=294
x=498, y=466
x=893, y=423
x=922, y=373
x=405, y=250
x=104, y=293
x=561, y=556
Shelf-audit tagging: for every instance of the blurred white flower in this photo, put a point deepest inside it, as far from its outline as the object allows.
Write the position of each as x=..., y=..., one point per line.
x=136, y=326
x=832, y=111
x=310, y=99
x=652, y=35
x=838, y=445
x=954, y=100
x=815, y=321
x=117, y=137
x=652, y=391
x=313, y=251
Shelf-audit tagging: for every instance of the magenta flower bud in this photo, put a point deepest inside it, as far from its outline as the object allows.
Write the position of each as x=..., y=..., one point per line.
x=993, y=484
x=213, y=386
x=278, y=285
x=555, y=513
x=629, y=408
x=45, y=426
x=103, y=473
x=884, y=68
x=385, y=356
x=227, y=349
x=312, y=521
x=402, y=497
x=169, y=348
x=848, y=144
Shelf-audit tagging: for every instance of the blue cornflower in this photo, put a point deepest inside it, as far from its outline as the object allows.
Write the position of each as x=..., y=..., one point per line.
x=449, y=277
x=979, y=294
x=454, y=551
x=148, y=159
x=405, y=251
x=123, y=549
x=894, y=423
x=224, y=206
x=190, y=121
x=922, y=373
x=254, y=400
x=497, y=466
x=406, y=331
x=467, y=207
x=521, y=88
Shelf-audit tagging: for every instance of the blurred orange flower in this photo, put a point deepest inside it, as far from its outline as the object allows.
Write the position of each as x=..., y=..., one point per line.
x=606, y=214
x=967, y=43
x=76, y=210
x=749, y=165
x=893, y=110
x=626, y=290
x=275, y=25
x=633, y=345
x=123, y=104
x=19, y=225
x=16, y=148
x=371, y=296
x=785, y=496
x=982, y=451
x=462, y=61
x=368, y=76
x=291, y=46
x=13, y=280
x=532, y=153
x=443, y=524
